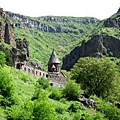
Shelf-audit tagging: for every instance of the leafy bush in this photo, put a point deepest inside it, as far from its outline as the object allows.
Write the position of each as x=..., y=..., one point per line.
x=74, y=107
x=60, y=110
x=72, y=90
x=95, y=116
x=44, y=82
x=111, y=112
x=44, y=110
x=56, y=94
x=20, y=112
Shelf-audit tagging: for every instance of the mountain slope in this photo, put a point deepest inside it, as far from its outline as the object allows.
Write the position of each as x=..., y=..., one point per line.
x=104, y=40
x=48, y=32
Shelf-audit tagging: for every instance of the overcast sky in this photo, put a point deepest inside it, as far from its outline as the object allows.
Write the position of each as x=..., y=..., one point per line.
x=100, y=9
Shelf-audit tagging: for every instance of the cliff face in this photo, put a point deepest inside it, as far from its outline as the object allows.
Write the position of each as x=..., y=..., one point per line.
x=6, y=30
x=113, y=21
x=17, y=49
x=98, y=45
x=53, y=24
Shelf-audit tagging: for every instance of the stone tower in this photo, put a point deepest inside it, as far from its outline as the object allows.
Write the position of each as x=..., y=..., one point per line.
x=54, y=63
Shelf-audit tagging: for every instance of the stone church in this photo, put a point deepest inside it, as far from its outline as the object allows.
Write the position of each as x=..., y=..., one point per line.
x=54, y=74
x=54, y=71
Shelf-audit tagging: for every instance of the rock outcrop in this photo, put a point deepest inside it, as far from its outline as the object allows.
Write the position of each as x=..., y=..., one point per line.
x=9, y=36
x=97, y=46
x=18, y=48
x=113, y=21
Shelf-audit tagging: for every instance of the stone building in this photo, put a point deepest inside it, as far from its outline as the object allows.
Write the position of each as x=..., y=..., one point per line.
x=31, y=68
x=54, y=74
x=57, y=78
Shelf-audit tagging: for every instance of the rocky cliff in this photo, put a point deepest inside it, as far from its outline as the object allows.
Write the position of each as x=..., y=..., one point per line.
x=52, y=24
x=15, y=49
x=105, y=41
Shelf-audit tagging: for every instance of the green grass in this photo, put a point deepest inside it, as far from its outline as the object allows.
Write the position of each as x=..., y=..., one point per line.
x=24, y=83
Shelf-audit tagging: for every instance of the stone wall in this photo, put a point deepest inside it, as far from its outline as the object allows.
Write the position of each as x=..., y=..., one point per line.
x=57, y=79
x=30, y=69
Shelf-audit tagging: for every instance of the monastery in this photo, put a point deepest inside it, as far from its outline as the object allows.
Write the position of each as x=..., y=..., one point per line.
x=19, y=55
x=54, y=74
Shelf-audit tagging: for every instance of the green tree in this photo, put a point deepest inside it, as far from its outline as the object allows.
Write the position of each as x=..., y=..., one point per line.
x=72, y=90
x=2, y=59
x=97, y=76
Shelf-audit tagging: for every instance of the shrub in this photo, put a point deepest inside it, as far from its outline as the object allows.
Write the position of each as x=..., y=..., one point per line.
x=110, y=111
x=95, y=116
x=56, y=94
x=44, y=82
x=44, y=110
x=20, y=112
x=74, y=107
x=2, y=114
x=60, y=109
x=72, y=90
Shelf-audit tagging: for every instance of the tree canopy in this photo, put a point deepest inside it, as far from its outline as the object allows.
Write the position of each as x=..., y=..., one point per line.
x=96, y=76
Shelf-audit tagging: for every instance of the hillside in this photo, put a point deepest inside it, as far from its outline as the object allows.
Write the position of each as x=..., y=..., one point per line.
x=92, y=88
x=48, y=32
x=103, y=41
x=28, y=98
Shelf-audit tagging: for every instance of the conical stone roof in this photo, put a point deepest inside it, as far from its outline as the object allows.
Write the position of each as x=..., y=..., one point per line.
x=53, y=58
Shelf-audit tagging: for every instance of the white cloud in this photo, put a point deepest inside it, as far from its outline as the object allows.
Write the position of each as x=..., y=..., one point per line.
x=94, y=8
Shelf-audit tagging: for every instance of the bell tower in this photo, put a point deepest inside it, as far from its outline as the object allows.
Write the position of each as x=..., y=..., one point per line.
x=54, y=63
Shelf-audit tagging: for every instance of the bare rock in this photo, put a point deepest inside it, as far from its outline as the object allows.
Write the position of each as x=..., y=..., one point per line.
x=97, y=46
